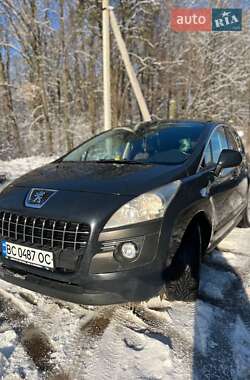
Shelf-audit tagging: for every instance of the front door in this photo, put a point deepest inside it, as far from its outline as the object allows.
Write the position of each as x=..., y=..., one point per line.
x=225, y=190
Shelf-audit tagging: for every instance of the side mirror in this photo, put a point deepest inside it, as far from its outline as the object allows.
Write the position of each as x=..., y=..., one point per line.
x=228, y=159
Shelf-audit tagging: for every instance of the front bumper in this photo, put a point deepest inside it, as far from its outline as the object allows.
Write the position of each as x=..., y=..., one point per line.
x=102, y=289
x=99, y=279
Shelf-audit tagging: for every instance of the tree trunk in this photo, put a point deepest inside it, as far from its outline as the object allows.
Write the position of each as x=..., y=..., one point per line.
x=8, y=102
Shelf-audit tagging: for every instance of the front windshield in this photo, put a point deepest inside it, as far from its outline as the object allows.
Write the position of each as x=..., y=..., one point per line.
x=168, y=143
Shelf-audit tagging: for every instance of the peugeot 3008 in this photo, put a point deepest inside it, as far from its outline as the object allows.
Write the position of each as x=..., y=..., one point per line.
x=126, y=213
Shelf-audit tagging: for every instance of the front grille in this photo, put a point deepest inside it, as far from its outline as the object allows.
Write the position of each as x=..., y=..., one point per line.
x=44, y=232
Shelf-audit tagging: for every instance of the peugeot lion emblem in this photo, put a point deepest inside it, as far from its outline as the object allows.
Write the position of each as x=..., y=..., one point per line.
x=37, y=198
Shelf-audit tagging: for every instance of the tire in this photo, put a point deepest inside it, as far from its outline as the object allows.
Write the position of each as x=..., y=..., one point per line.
x=184, y=273
x=245, y=222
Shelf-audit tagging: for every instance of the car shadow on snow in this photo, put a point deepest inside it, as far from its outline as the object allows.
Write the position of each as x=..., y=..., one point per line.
x=222, y=320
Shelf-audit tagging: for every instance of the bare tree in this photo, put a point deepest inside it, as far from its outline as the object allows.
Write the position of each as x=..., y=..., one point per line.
x=51, y=71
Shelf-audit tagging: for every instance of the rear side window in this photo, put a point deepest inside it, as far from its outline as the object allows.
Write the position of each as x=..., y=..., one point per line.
x=232, y=142
x=238, y=140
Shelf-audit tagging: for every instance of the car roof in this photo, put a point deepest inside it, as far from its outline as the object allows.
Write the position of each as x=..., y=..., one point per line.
x=209, y=125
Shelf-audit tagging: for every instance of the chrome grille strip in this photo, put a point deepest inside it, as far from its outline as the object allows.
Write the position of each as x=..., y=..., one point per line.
x=16, y=226
x=33, y=230
x=76, y=232
x=49, y=229
x=53, y=232
x=9, y=225
x=3, y=223
x=64, y=230
x=42, y=231
x=83, y=243
x=24, y=227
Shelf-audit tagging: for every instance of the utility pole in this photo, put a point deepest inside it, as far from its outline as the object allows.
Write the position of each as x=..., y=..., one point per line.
x=172, y=109
x=130, y=70
x=108, y=17
x=106, y=65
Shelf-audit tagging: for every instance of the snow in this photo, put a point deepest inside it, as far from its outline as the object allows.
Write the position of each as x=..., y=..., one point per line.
x=16, y=168
x=45, y=338
x=214, y=283
x=7, y=343
x=241, y=352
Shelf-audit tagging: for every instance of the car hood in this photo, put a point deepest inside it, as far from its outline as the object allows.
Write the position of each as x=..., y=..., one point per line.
x=105, y=178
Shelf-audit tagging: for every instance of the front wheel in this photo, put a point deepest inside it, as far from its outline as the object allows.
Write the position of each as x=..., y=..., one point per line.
x=184, y=272
x=245, y=222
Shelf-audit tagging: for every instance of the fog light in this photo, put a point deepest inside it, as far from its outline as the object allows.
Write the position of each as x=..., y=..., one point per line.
x=129, y=250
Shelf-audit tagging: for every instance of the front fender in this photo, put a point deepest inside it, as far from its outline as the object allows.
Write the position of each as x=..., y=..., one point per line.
x=190, y=201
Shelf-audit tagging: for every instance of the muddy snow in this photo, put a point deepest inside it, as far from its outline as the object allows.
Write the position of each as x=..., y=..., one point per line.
x=45, y=338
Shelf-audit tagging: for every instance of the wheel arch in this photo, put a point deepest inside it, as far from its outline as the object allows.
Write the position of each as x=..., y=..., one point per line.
x=206, y=228
x=183, y=224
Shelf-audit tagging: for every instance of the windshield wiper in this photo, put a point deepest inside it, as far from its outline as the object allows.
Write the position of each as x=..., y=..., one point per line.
x=120, y=162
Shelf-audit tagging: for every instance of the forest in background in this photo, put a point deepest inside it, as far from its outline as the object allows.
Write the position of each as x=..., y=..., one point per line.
x=51, y=90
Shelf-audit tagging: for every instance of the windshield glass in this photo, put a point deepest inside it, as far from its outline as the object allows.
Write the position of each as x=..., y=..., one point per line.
x=168, y=143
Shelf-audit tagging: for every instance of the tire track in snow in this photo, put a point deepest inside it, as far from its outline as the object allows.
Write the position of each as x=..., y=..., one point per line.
x=85, y=338
x=29, y=339
x=129, y=348
x=40, y=326
x=161, y=325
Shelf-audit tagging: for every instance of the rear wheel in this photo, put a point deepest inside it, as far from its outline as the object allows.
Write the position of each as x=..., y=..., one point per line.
x=245, y=222
x=184, y=272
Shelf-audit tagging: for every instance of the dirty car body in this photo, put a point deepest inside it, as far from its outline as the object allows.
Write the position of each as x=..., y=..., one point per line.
x=102, y=224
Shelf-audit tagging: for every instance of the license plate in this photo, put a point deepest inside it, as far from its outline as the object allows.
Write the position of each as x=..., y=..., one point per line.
x=30, y=256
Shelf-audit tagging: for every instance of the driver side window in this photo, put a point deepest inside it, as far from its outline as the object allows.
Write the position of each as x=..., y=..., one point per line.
x=218, y=142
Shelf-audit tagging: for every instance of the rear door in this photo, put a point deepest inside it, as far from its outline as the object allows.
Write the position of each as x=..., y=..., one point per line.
x=239, y=174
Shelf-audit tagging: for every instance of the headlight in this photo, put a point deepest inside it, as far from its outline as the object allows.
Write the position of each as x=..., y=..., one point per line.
x=148, y=206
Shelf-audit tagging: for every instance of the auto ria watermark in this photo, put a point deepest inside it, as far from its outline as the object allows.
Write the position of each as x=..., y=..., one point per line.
x=206, y=19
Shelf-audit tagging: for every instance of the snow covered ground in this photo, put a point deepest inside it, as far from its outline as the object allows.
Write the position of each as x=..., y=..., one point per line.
x=44, y=338
x=16, y=168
